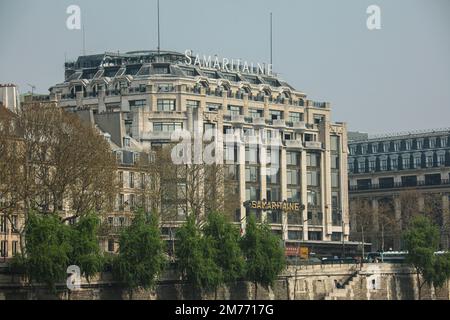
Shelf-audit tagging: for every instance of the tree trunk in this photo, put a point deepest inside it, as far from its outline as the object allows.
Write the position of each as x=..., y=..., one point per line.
x=256, y=290
x=382, y=237
x=130, y=294
x=362, y=249
x=419, y=286
x=215, y=294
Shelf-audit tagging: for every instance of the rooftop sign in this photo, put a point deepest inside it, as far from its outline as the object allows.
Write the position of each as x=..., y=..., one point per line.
x=227, y=65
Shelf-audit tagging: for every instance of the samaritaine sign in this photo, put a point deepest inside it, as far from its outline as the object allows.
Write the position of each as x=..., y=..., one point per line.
x=227, y=64
x=275, y=205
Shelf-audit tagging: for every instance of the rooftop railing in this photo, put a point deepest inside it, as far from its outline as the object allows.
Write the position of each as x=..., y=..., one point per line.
x=398, y=185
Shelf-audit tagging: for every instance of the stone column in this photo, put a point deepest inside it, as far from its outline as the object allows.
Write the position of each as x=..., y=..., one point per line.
x=283, y=183
x=304, y=193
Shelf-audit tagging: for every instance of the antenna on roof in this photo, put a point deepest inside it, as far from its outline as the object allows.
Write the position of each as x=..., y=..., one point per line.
x=271, y=39
x=159, y=34
x=84, y=41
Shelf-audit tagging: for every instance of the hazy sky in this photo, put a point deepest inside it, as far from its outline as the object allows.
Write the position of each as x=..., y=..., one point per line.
x=388, y=80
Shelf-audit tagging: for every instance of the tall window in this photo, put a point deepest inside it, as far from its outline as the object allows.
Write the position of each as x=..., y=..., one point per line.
x=292, y=177
x=313, y=178
x=254, y=113
x=166, y=104
x=131, y=180
x=406, y=163
x=3, y=225
x=394, y=163
x=4, y=249
x=292, y=158
x=334, y=143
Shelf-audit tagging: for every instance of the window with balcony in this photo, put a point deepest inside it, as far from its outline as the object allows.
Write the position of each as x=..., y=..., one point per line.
x=295, y=117
x=275, y=115
x=255, y=113
x=166, y=105
x=409, y=181
x=234, y=110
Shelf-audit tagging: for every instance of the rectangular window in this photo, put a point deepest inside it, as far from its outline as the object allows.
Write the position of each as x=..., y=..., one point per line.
x=295, y=117
x=313, y=178
x=361, y=166
x=394, y=164
x=165, y=87
x=334, y=161
x=383, y=165
x=293, y=195
x=312, y=160
x=335, y=180
x=292, y=158
x=213, y=107
x=192, y=104
x=111, y=245
x=15, y=224
x=251, y=155
x=254, y=113
x=406, y=163
x=4, y=249
x=293, y=177
x=334, y=140
x=3, y=224
x=166, y=105
x=252, y=194
x=138, y=103
x=429, y=161
x=15, y=246
x=251, y=174
x=234, y=110
x=295, y=235
x=131, y=180
x=275, y=115
x=167, y=127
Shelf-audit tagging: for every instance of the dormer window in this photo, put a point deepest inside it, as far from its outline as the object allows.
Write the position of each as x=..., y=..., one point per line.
x=374, y=148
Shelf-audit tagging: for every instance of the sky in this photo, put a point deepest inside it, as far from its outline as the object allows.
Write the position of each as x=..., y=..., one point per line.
x=390, y=80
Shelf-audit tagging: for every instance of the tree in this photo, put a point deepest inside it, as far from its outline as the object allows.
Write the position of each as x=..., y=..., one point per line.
x=53, y=163
x=196, y=258
x=263, y=253
x=141, y=256
x=86, y=251
x=52, y=246
x=361, y=215
x=386, y=221
x=422, y=242
x=225, y=239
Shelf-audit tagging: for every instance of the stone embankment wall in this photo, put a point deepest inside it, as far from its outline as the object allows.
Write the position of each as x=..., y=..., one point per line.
x=326, y=282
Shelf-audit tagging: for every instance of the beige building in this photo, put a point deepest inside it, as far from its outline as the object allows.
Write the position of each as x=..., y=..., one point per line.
x=139, y=99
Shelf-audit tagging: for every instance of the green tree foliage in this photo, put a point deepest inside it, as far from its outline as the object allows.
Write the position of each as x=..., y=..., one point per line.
x=52, y=246
x=225, y=239
x=264, y=255
x=86, y=252
x=422, y=241
x=141, y=256
x=196, y=258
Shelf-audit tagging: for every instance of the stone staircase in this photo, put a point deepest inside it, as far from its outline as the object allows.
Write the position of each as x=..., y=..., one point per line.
x=345, y=292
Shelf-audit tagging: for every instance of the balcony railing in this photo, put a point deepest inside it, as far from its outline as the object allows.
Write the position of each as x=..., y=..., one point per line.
x=398, y=185
x=313, y=145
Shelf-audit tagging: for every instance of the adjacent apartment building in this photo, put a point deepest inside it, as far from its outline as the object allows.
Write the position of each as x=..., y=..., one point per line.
x=401, y=175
